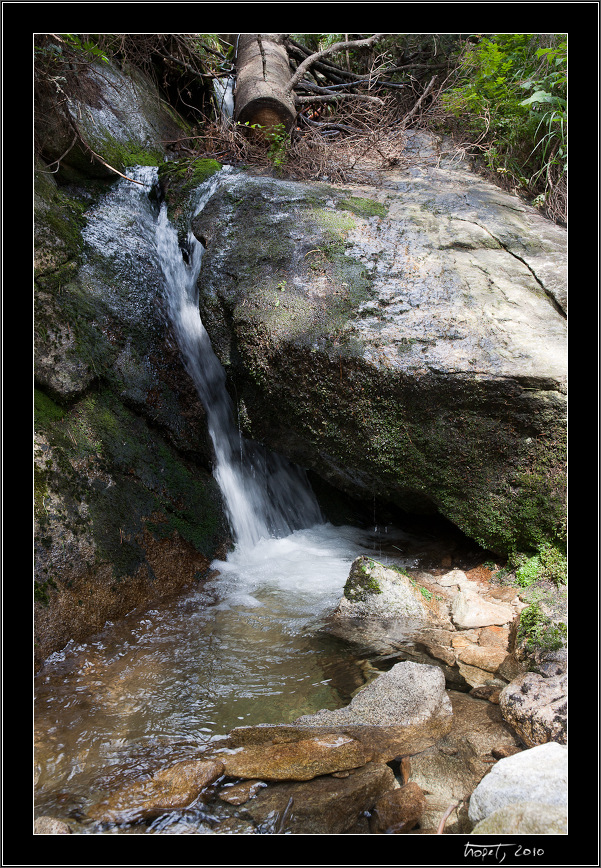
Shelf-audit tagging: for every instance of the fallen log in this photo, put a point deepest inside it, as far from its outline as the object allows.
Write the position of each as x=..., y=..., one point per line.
x=265, y=85
x=262, y=75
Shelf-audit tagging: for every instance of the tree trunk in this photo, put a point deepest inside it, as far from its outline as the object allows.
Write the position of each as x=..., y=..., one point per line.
x=262, y=95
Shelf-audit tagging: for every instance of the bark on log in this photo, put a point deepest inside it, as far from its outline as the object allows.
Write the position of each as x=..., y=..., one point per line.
x=262, y=77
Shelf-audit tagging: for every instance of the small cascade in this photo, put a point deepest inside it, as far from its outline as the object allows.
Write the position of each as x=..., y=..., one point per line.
x=265, y=495
x=224, y=93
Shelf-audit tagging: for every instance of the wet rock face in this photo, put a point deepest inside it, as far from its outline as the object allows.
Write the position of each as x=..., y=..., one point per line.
x=407, y=340
x=126, y=509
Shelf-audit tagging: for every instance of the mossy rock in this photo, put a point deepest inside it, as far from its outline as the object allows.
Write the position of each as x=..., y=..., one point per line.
x=302, y=291
x=361, y=582
x=179, y=181
x=122, y=118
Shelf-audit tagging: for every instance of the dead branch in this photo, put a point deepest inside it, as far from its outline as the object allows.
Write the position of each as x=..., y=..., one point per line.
x=417, y=105
x=300, y=100
x=445, y=817
x=337, y=46
x=186, y=66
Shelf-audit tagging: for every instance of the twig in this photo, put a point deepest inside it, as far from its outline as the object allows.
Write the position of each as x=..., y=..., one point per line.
x=417, y=105
x=185, y=65
x=282, y=819
x=58, y=162
x=445, y=817
x=337, y=46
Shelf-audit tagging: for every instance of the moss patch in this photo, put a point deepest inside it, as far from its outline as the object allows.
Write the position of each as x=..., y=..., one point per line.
x=363, y=207
x=121, y=155
x=361, y=583
x=59, y=219
x=107, y=458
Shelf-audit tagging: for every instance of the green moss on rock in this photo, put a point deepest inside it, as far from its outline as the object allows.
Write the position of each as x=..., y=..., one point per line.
x=363, y=207
x=128, y=477
x=361, y=583
x=179, y=179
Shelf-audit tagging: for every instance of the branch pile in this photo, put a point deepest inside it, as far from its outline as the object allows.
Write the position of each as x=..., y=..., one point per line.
x=344, y=105
x=340, y=118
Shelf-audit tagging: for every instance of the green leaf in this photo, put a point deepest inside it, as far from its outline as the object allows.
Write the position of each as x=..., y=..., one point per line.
x=539, y=96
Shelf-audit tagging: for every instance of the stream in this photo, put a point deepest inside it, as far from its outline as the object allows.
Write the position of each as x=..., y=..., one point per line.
x=245, y=648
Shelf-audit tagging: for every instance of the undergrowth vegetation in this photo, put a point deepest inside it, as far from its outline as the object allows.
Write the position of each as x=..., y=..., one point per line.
x=508, y=98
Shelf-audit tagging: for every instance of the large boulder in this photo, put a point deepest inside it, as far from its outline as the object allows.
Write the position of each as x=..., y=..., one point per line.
x=403, y=711
x=535, y=775
x=536, y=707
x=406, y=340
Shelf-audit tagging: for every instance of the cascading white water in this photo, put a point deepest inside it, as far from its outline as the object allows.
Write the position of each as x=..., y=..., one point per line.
x=224, y=92
x=265, y=495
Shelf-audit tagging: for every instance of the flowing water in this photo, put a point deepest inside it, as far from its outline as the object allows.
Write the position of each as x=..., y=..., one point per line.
x=245, y=649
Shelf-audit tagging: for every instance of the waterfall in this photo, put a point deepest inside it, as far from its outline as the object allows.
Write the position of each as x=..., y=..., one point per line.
x=224, y=93
x=264, y=494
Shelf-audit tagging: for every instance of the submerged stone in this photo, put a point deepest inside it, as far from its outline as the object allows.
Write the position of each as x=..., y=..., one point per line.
x=298, y=761
x=325, y=806
x=399, y=811
x=169, y=789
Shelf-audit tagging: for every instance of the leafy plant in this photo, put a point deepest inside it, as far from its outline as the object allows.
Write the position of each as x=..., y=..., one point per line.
x=278, y=139
x=548, y=564
x=87, y=47
x=510, y=98
x=538, y=631
x=528, y=572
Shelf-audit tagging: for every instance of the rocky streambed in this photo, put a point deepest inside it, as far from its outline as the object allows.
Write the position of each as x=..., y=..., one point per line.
x=448, y=699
